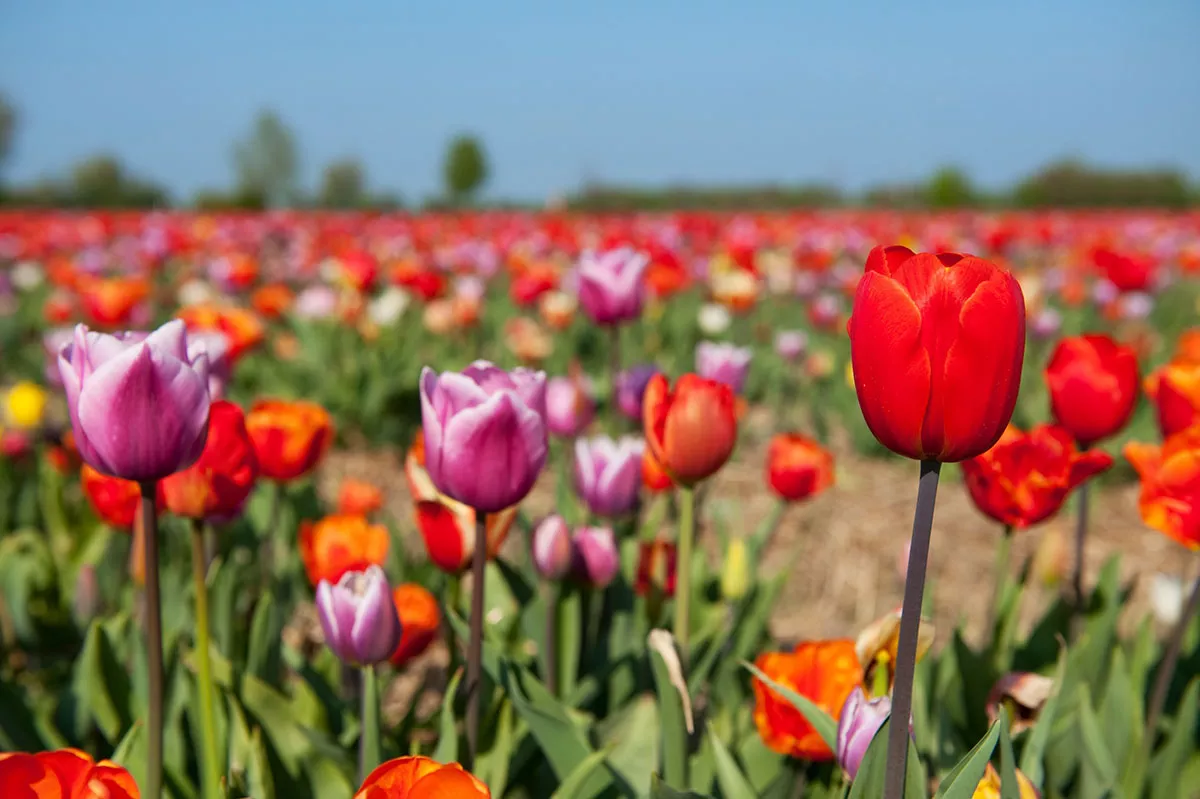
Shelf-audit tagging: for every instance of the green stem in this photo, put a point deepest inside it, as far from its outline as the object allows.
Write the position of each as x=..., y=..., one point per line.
x=370, y=751
x=154, y=644
x=1166, y=669
x=1003, y=558
x=210, y=764
x=683, y=578
x=1081, y=525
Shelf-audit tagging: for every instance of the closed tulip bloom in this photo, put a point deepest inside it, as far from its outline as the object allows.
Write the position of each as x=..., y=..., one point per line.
x=569, y=406
x=1026, y=477
x=798, y=467
x=860, y=720
x=114, y=500
x=419, y=777
x=485, y=433
x=138, y=404
x=608, y=473
x=724, y=363
x=791, y=344
x=936, y=343
x=692, y=429
x=63, y=774
x=631, y=388
x=358, y=497
x=657, y=569
x=337, y=544
x=735, y=571
x=1175, y=391
x=1093, y=384
x=419, y=617
x=654, y=476
x=552, y=549
x=611, y=286
x=596, y=558
x=216, y=485
x=358, y=617
x=290, y=438
x=1170, y=476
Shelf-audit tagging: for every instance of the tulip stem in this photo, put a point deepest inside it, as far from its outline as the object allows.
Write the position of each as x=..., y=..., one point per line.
x=1081, y=525
x=1166, y=671
x=369, y=748
x=550, y=640
x=614, y=370
x=210, y=765
x=683, y=579
x=910, y=623
x=154, y=644
x=267, y=553
x=1003, y=559
x=475, y=647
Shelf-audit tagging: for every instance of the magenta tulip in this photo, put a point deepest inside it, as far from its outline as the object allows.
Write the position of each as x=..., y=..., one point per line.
x=485, y=433
x=358, y=617
x=552, y=548
x=859, y=721
x=596, y=558
x=569, y=406
x=138, y=403
x=724, y=363
x=611, y=289
x=608, y=473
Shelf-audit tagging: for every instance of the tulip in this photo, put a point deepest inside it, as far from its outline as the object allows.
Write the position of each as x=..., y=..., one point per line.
x=418, y=777
x=63, y=774
x=219, y=482
x=791, y=344
x=336, y=545
x=692, y=429
x=937, y=343
x=24, y=405
x=798, y=467
x=1170, y=491
x=713, y=319
x=608, y=473
x=657, y=569
x=859, y=721
x=723, y=363
x=1175, y=391
x=552, y=548
x=989, y=787
x=596, y=558
x=138, y=404
x=485, y=433
x=358, y=617
x=1093, y=384
x=290, y=438
x=569, y=406
x=1024, y=694
x=316, y=303
x=611, y=289
x=735, y=571
x=631, y=387
x=877, y=648
x=216, y=346
x=114, y=500
x=419, y=617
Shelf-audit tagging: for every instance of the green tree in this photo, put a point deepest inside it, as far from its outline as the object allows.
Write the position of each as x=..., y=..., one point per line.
x=343, y=185
x=950, y=188
x=267, y=162
x=8, y=124
x=102, y=182
x=465, y=169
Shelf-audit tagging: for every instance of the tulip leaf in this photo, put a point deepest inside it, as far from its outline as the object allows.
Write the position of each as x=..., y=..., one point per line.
x=869, y=782
x=18, y=727
x=730, y=778
x=568, y=634
x=496, y=761
x=660, y=790
x=964, y=778
x=1121, y=713
x=633, y=740
x=1098, y=772
x=575, y=782
x=447, y=745
x=102, y=684
x=674, y=710
x=263, y=658
x=1009, y=789
x=1039, y=735
x=1172, y=758
x=821, y=721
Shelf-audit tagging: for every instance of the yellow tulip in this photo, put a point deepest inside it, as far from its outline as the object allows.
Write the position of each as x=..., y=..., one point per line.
x=24, y=405
x=735, y=577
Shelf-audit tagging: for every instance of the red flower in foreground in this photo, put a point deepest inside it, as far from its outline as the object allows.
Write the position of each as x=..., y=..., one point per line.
x=1170, y=474
x=63, y=774
x=418, y=777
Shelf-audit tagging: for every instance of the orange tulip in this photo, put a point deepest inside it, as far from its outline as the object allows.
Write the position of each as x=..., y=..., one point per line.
x=798, y=467
x=1175, y=391
x=273, y=301
x=240, y=326
x=63, y=774
x=823, y=671
x=111, y=302
x=419, y=621
x=289, y=437
x=339, y=544
x=417, y=777
x=1170, y=474
x=358, y=497
x=691, y=429
x=654, y=477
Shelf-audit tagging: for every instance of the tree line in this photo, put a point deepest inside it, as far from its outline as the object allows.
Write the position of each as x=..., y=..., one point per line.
x=266, y=167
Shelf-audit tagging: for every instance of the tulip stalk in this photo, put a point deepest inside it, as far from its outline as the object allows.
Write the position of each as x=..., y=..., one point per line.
x=1003, y=559
x=1166, y=671
x=1081, y=525
x=910, y=622
x=154, y=643
x=550, y=641
x=210, y=765
x=475, y=646
x=683, y=579
x=370, y=752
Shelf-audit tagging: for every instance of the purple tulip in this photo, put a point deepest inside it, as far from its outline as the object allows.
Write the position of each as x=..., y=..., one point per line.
x=138, y=403
x=595, y=556
x=485, y=433
x=358, y=617
x=215, y=345
x=610, y=285
x=791, y=344
x=569, y=406
x=724, y=363
x=552, y=548
x=608, y=473
x=631, y=386
x=859, y=721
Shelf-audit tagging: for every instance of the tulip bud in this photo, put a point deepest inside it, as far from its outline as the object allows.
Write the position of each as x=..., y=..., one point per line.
x=631, y=387
x=359, y=617
x=860, y=719
x=611, y=289
x=596, y=559
x=798, y=467
x=724, y=363
x=608, y=473
x=569, y=407
x=1093, y=384
x=790, y=344
x=692, y=429
x=552, y=548
x=735, y=574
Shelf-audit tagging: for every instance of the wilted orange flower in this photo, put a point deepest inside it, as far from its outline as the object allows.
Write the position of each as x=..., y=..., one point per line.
x=877, y=646
x=273, y=301
x=290, y=438
x=989, y=786
x=63, y=774
x=825, y=672
x=419, y=620
x=109, y=302
x=1170, y=475
x=340, y=543
x=358, y=497
x=417, y=777
x=241, y=326
x=557, y=309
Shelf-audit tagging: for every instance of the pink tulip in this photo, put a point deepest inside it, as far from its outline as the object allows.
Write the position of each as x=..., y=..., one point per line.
x=596, y=556
x=138, y=403
x=485, y=433
x=608, y=473
x=724, y=363
x=358, y=617
x=610, y=285
x=569, y=406
x=552, y=548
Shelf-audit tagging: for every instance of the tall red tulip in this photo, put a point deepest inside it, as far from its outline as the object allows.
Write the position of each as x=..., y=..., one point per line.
x=937, y=344
x=1093, y=384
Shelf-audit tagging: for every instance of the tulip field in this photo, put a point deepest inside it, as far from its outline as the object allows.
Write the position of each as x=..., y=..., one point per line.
x=300, y=505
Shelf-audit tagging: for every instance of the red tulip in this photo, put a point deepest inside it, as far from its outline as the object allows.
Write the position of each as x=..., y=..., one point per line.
x=692, y=429
x=937, y=343
x=1093, y=385
x=216, y=486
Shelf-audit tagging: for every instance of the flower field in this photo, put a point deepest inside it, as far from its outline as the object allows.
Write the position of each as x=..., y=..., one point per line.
x=320, y=506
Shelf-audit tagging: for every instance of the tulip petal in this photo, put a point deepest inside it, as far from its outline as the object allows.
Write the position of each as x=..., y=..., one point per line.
x=501, y=438
x=375, y=630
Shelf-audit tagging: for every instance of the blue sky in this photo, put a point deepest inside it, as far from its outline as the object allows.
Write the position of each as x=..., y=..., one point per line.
x=622, y=91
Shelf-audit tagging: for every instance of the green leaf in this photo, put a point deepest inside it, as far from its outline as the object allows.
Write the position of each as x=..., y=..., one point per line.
x=577, y=780
x=500, y=755
x=674, y=707
x=1098, y=774
x=102, y=684
x=447, y=745
x=1171, y=759
x=821, y=721
x=263, y=653
x=869, y=782
x=730, y=778
x=1039, y=735
x=568, y=635
x=634, y=741
x=18, y=727
x=660, y=790
x=1009, y=789
x=1121, y=716
x=964, y=778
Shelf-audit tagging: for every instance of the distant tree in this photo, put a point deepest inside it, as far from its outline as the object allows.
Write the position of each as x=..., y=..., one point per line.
x=465, y=169
x=237, y=200
x=102, y=182
x=343, y=185
x=1073, y=184
x=8, y=124
x=950, y=188
x=267, y=162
